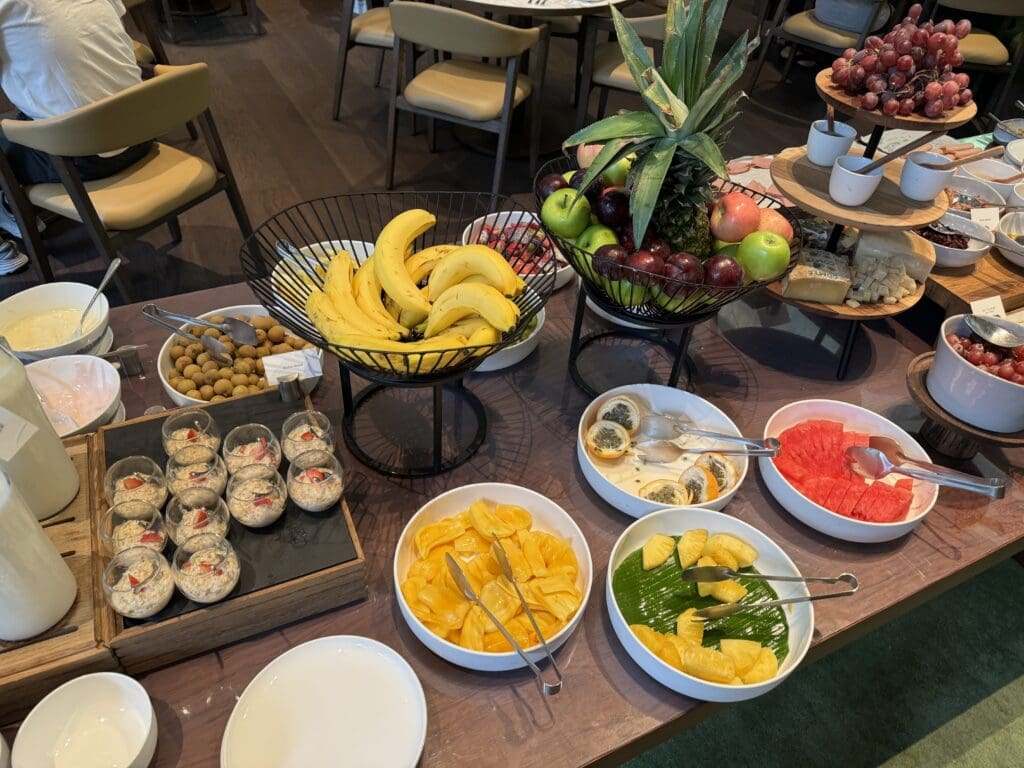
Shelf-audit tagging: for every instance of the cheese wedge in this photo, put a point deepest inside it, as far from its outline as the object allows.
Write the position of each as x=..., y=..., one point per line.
x=818, y=276
x=914, y=253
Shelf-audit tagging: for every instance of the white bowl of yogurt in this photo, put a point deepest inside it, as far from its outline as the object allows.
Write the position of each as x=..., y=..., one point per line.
x=79, y=393
x=40, y=322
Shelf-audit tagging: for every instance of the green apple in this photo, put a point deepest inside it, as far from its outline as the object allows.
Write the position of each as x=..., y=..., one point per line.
x=680, y=302
x=763, y=255
x=724, y=246
x=564, y=218
x=615, y=174
x=568, y=176
x=594, y=236
x=625, y=293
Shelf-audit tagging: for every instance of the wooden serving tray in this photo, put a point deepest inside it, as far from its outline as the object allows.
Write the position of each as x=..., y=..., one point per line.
x=301, y=565
x=32, y=668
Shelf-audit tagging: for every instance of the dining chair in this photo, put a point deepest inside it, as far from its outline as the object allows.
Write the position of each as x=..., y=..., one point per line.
x=603, y=64
x=983, y=51
x=372, y=29
x=154, y=191
x=464, y=91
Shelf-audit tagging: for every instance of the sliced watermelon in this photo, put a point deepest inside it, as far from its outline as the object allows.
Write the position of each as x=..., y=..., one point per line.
x=883, y=503
x=791, y=468
x=836, y=493
x=854, y=490
x=818, y=488
x=906, y=484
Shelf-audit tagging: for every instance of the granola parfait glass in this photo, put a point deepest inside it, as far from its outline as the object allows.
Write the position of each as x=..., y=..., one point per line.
x=194, y=426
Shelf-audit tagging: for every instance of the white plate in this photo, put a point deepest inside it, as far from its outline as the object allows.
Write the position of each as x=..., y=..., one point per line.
x=290, y=280
x=335, y=701
x=515, y=353
x=104, y=345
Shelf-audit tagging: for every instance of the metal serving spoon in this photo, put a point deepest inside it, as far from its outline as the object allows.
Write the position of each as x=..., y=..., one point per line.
x=658, y=426
x=214, y=346
x=666, y=452
x=728, y=609
x=99, y=289
x=872, y=463
x=993, y=333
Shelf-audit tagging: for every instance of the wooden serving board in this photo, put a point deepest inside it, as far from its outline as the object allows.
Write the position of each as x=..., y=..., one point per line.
x=843, y=312
x=301, y=565
x=806, y=184
x=31, y=669
x=850, y=105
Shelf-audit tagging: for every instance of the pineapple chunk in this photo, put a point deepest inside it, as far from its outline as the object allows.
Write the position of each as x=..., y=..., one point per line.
x=708, y=664
x=723, y=556
x=650, y=639
x=705, y=588
x=680, y=644
x=744, y=553
x=728, y=591
x=669, y=653
x=690, y=546
x=765, y=668
x=742, y=652
x=736, y=681
x=657, y=550
x=688, y=629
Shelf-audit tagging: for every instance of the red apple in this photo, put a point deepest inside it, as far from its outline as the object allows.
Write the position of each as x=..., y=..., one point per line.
x=723, y=271
x=612, y=207
x=608, y=259
x=549, y=184
x=773, y=221
x=734, y=216
x=585, y=154
x=684, y=266
x=659, y=247
x=646, y=261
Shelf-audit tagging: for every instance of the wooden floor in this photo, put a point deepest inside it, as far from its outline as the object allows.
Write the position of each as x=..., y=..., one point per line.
x=271, y=102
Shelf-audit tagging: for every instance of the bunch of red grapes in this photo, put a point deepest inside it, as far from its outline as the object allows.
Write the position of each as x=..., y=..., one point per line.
x=910, y=69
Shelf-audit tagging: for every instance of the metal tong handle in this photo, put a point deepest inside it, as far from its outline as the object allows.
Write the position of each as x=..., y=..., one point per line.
x=768, y=444
x=467, y=590
x=157, y=312
x=499, y=554
x=712, y=573
x=155, y=315
x=992, y=487
x=728, y=609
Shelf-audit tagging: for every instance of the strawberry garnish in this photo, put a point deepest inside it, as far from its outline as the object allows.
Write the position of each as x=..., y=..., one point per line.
x=262, y=501
x=151, y=537
x=307, y=436
x=198, y=477
x=202, y=519
x=218, y=571
x=131, y=483
x=191, y=435
x=133, y=581
x=205, y=568
x=316, y=475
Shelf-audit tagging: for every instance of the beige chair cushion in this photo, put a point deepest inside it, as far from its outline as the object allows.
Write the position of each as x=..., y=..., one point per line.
x=466, y=89
x=143, y=53
x=981, y=47
x=565, y=25
x=806, y=26
x=610, y=69
x=373, y=28
x=158, y=184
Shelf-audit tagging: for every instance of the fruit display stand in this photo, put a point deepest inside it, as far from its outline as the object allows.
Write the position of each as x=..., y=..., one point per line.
x=942, y=431
x=285, y=259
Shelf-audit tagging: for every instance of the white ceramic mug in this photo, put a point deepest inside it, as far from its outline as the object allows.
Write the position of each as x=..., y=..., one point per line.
x=923, y=184
x=849, y=188
x=823, y=149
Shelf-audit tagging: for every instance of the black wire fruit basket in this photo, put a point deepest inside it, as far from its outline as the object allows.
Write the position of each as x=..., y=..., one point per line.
x=654, y=300
x=286, y=258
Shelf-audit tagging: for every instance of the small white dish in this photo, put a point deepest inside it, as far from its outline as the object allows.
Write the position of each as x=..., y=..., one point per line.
x=291, y=280
x=976, y=188
x=957, y=257
x=119, y=416
x=853, y=417
x=341, y=700
x=1015, y=152
x=547, y=516
x=104, y=345
x=923, y=184
x=1017, y=195
x=593, y=307
x=660, y=399
x=563, y=269
x=1003, y=136
x=823, y=149
x=55, y=296
x=515, y=353
x=996, y=169
x=849, y=188
x=94, y=721
x=1009, y=225
x=79, y=393
x=770, y=559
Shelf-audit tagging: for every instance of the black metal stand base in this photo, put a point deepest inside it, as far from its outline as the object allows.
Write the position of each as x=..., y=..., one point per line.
x=438, y=462
x=676, y=349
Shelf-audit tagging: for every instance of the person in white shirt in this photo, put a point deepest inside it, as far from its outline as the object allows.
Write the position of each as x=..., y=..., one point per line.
x=56, y=56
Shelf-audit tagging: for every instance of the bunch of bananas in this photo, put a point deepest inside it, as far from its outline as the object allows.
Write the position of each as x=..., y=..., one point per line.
x=435, y=303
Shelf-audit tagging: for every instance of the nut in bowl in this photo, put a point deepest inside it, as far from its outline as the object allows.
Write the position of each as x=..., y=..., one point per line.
x=959, y=248
x=704, y=534
x=449, y=524
x=810, y=479
x=611, y=464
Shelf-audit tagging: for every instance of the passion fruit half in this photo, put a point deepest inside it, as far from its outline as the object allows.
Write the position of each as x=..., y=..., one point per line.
x=669, y=492
x=719, y=466
x=700, y=484
x=607, y=439
x=621, y=410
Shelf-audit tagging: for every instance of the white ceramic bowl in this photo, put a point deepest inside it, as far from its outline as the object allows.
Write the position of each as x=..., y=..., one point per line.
x=515, y=353
x=93, y=721
x=806, y=511
x=1002, y=136
x=849, y=188
x=1011, y=224
x=920, y=183
x=5, y=754
x=972, y=395
x=52, y=296
x=957, y=257
x=547, y=516
x=563, y=269
x=994, y=168
x=770, y=559
x=823, y=149
x=79, y=393
x=164, y=365
x=1017, y=195
x=976, y=187
x=290, y=280
x=660, y=399
x=1015, y=152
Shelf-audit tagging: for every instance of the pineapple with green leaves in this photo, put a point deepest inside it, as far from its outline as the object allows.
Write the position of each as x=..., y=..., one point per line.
x=677, y=140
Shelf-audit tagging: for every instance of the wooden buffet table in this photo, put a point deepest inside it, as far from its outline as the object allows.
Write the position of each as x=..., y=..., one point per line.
x=609, y=709
x=955, y=289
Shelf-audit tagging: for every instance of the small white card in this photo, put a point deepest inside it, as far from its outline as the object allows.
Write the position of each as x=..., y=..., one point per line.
x=304, y=362
x=988, y=307
x=987, y=217
x=14, y=433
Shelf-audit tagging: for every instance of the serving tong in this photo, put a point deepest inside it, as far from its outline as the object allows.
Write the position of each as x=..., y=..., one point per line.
x=711, y=573
x=665, y=430
x=240, y=331
x=549, y=689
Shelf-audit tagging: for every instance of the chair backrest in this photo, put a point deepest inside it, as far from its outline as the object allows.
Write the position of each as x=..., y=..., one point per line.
x=137, y=114
x=133, y=3
x=448, y=29
x=649, y=27
x=994, y=7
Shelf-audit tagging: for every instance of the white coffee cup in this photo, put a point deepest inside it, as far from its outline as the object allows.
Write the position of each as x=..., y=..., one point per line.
x=823, y=149
x=849, y=188
x=920, y=183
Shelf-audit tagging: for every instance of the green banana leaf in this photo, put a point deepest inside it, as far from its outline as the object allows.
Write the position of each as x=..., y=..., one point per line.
x=621, y=126
x=647, y=184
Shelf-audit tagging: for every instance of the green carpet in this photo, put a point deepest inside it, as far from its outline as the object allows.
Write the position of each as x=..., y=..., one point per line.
x=942, y=686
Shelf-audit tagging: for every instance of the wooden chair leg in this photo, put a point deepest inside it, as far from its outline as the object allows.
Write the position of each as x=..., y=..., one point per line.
x=347, y=8
x=380, y=67
x=602, y=102
x=396, y=69
x=25, y=216
x=537, y=99
x=766, y=42
x=500, y=153
x=193, y=133
x=789, y=62
x=174, y=226
x=431, y=135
